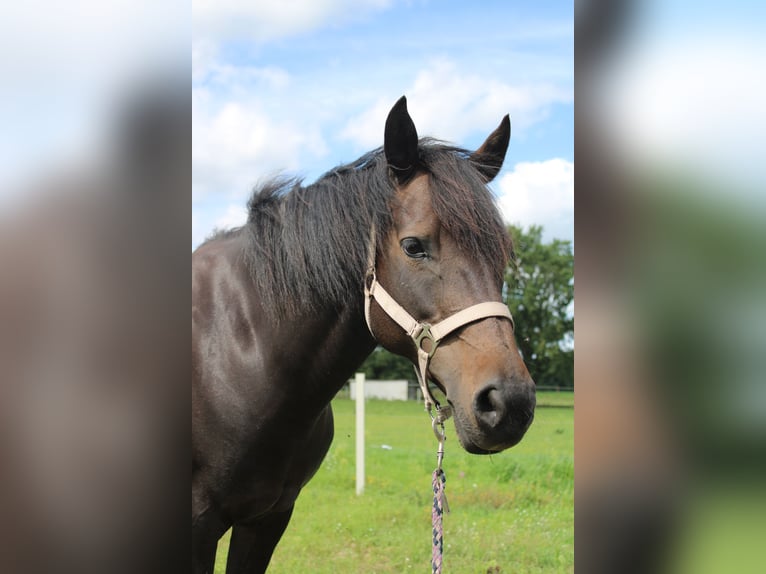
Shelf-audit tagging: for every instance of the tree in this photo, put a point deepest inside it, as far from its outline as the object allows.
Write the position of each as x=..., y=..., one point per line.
x=539, y=292
x=382, y=365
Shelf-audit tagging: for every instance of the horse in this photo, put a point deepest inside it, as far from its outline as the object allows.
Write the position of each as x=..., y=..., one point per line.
x=402, y=248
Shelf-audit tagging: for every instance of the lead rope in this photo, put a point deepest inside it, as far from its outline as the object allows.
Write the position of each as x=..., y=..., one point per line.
x=440, y=505
x=438, y=478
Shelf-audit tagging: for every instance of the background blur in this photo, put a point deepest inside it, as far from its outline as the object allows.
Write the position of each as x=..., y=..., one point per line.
x=671, y=402
x=94, y=294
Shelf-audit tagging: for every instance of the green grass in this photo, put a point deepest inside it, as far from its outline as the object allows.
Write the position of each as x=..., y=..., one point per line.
x=564, y=398
x=511, y=512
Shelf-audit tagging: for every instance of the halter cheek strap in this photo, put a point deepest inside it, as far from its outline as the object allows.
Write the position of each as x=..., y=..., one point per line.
x=426, y=336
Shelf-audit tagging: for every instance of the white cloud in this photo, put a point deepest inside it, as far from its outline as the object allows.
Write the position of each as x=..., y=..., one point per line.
x=234, y=216
x=205, y=221
x=451, y=103
x=207, y=66
x=263, y=20
x=204, y=58
x=540, y=193
x=235, y=143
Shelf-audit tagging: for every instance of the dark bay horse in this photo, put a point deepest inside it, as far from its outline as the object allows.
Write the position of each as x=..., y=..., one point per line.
x=278, y=324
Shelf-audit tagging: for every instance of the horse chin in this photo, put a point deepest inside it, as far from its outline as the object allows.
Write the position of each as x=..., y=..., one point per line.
x=474, y=447
x=468, y=438
x=472, y=440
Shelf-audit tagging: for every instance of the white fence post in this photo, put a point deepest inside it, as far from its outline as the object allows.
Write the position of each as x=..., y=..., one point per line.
x=359, y=391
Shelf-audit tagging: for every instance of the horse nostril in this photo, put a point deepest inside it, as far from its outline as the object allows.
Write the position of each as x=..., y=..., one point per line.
x=489, y=406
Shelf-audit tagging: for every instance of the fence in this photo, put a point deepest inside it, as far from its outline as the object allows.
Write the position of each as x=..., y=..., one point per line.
x=413, y=392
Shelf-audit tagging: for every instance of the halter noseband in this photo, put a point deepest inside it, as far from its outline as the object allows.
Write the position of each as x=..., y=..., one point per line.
x=421, y=332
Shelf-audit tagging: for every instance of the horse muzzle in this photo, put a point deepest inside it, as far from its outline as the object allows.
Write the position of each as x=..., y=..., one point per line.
x=500, y=414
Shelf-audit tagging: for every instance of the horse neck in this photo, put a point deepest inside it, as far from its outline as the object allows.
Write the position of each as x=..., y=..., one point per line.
x=324, y=349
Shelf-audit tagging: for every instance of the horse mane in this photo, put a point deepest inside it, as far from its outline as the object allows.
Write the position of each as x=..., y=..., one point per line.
x=307, y=246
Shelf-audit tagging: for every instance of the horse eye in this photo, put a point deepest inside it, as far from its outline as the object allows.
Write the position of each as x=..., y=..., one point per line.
x=413, y=248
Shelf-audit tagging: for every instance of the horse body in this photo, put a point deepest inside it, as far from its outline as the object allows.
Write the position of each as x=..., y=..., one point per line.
x=278, y=325
x=260, y=397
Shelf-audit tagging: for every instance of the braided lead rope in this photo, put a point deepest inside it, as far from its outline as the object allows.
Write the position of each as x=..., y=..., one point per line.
x=437, y=515
x=440, y=506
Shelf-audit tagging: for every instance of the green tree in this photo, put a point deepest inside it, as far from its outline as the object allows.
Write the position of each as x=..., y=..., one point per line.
x=382, y=365
x=539, y=292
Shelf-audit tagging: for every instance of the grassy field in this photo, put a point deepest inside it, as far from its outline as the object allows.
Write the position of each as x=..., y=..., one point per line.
x=511, y=512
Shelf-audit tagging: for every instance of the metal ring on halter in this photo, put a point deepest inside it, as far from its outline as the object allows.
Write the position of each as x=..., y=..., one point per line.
x=425, y=334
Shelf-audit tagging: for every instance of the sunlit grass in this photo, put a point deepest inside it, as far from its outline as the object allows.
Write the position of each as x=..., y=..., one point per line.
x=511, y=512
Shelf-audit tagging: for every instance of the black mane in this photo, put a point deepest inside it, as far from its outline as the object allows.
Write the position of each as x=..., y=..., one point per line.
x=307, y=246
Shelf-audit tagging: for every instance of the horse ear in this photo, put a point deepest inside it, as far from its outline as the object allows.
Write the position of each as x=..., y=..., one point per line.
x=400, y=142
x=488, y=159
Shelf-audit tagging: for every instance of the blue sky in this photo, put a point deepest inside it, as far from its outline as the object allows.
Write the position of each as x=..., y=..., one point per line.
x=302, y=86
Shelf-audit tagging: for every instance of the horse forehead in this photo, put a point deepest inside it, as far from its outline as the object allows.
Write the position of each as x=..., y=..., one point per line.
x=413, y=202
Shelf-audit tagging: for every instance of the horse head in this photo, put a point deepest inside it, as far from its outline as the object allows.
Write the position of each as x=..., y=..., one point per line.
x=446, y=251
